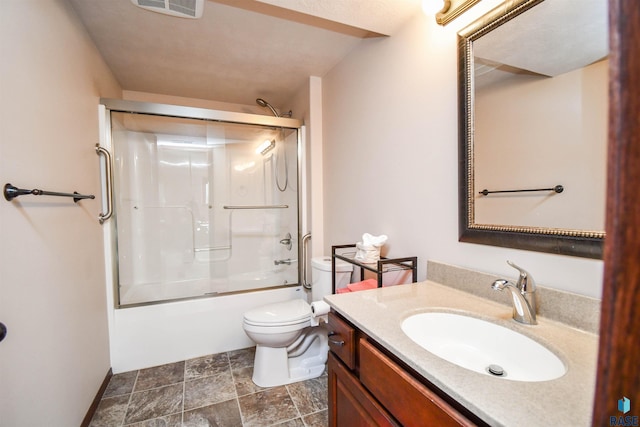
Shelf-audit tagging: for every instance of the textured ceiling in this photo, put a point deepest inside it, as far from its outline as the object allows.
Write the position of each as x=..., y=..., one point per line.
x=378, y=16
x=552, y=38
x=240, y=49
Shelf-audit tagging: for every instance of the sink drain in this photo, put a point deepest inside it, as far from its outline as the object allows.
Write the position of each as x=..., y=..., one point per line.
x=496, y=370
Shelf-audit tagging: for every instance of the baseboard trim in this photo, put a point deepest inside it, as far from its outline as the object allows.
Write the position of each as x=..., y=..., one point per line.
x=96, y=400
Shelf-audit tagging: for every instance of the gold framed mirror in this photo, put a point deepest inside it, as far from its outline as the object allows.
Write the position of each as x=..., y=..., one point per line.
x=533, y=125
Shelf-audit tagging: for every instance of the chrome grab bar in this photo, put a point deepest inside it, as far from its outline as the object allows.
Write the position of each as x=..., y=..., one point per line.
x=212, y=248
x=303, y=265
x=102, y=217
x=256, y=207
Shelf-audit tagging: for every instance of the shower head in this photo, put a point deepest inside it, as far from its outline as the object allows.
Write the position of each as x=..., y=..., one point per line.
x=261, y=102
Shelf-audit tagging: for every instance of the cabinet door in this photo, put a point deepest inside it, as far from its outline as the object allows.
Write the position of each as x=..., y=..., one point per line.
x=350, y=405
x=407, y=399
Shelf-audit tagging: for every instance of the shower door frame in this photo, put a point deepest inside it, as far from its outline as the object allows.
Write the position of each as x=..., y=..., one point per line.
x=108, y=105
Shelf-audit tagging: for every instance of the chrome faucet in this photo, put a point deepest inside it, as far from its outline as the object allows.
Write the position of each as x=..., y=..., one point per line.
x=523, y=294
x=287, y=261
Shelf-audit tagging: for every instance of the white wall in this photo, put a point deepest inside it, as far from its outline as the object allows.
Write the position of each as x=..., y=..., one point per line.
x=52, y=296
x=390, y=136
x=307, y=106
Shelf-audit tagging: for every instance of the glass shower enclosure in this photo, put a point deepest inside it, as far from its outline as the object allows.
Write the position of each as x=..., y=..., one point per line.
x=205, y=202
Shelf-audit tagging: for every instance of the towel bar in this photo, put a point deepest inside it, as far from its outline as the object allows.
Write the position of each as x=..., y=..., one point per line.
x=557, y=189
x=11, y=192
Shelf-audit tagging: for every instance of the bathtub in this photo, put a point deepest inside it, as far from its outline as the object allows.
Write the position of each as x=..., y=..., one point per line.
x=152, y=335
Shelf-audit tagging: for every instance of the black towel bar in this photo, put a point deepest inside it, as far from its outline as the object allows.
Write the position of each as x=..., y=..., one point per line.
x=11, y=192
x=557, y=189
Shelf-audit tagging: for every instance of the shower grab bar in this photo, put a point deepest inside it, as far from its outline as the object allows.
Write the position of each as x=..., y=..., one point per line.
x=256, y=207
x=303, y=265
x=11, y=192
x=557, y=189
x=213, y=248
x=102, y=217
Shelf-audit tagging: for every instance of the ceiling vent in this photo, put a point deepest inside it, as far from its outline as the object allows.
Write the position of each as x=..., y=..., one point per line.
x=181, y=8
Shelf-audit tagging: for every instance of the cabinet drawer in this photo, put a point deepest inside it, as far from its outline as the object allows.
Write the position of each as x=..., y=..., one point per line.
x=342, y=340
x=410, y=401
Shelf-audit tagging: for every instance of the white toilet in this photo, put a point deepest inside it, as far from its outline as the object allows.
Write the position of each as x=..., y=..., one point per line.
x=289, y=347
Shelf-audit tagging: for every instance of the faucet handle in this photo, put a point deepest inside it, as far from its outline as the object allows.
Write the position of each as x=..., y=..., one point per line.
x=525, y=279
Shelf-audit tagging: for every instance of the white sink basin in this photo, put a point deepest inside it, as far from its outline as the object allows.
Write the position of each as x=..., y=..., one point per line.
x=477, y=345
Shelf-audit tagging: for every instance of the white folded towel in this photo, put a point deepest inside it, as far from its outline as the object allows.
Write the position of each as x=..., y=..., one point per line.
x=377, y=241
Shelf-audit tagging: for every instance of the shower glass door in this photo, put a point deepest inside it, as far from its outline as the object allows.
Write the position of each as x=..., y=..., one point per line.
x=202, y=207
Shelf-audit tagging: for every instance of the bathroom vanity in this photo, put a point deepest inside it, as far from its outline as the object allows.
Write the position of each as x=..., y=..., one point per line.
x=379, y=376
x=369, y=386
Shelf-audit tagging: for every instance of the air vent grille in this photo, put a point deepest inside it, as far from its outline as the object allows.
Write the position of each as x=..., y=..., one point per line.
x=151, y=3
x=181, y=8
x=188, y=7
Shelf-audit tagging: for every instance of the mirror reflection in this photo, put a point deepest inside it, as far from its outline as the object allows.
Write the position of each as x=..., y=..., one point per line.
x=534, y=79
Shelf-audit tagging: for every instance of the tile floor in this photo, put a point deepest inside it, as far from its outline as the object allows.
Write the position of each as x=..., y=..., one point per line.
x=214, y=390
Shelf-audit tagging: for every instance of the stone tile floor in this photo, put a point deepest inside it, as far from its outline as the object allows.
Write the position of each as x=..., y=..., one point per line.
x=214, y=390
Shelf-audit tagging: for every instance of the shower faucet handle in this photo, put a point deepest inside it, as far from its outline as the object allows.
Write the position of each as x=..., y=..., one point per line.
x=287, y=241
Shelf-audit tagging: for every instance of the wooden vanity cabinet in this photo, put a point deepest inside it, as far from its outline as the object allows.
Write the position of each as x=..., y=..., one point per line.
x=350, y=404
x=367, y=387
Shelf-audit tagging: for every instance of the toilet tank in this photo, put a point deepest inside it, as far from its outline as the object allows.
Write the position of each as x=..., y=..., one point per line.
x=321, y=276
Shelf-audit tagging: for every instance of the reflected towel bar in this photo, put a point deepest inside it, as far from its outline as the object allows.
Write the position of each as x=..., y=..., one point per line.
x=11, y=192
x=557, y=189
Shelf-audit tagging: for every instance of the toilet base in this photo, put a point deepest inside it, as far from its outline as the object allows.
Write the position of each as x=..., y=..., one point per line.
x=274, y=366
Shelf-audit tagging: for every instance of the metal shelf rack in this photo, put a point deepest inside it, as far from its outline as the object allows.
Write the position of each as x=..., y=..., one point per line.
x=383, y=265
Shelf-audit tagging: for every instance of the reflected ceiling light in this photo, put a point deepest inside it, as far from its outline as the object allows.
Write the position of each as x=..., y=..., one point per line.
x=244, y=166
x=185, y=145
x=266, y=146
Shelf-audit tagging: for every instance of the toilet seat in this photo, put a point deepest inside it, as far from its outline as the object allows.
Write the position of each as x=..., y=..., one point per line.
x=275, y=329
x=276, y=325
x=287, y=313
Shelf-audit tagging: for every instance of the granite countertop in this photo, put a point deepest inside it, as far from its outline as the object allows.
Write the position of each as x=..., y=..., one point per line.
x=567, y=400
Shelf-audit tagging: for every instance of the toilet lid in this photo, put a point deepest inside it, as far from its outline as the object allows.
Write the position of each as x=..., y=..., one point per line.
x=280, y=312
